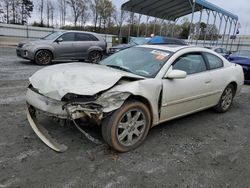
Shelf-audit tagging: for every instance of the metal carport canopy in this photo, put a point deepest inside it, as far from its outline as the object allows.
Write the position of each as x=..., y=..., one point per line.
x=171, y=9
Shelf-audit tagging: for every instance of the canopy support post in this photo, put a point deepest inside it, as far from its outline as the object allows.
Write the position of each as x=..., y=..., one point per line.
x=218, y=36
x=212, y=35
x=234, y=34
x=229, y=32
x=199, y=25
x=225, y=29
x=205, y=36
x=190, y=38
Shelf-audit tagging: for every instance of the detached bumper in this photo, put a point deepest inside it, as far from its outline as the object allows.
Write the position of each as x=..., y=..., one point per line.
x=43, y=134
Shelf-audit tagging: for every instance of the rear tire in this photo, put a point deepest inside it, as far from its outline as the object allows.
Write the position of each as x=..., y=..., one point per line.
x=43, y=57
x=94, y=57
x=226, y=99
x=126, y=128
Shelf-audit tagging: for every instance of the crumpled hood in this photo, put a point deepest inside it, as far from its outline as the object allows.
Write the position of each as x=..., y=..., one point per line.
x=78, y=78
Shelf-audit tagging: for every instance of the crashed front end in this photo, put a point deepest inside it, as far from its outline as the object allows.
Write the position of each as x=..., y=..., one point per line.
x=71, y=107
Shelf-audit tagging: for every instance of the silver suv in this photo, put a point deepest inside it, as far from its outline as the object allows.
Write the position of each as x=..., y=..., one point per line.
x=63, y=45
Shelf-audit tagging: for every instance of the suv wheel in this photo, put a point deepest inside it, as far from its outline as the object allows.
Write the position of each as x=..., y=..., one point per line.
x=43, y=57
x=95, y=57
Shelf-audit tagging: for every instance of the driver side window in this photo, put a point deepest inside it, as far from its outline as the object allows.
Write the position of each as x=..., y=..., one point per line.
x=190, y=63
x=68, y=37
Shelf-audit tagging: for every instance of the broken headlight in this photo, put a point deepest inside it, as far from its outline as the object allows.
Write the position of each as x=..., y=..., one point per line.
x=112, y=98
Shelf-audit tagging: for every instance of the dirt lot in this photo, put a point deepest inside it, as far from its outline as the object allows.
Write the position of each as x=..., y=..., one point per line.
x=201, y=150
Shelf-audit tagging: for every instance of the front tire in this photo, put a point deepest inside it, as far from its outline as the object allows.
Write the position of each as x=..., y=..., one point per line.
x=43, y=57
x=126, y=128
x=226, y=99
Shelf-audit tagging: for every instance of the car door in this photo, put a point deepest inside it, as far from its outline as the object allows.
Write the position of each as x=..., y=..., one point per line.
x=193, y=93
x=63, y=46
x=82, y=44
x=217, y=72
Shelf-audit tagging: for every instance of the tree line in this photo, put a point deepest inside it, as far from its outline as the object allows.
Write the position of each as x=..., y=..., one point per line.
x=100, y=16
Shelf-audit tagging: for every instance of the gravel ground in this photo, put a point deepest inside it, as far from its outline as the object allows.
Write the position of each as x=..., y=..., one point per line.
x=201, y=150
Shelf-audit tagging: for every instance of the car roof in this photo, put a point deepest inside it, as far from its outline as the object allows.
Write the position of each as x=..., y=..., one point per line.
x=87, y=32
x=171, y=48
x=175, y=48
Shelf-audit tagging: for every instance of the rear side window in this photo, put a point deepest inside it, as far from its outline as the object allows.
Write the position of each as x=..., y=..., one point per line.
x=190, y=63
x=85, y=37
x=214, y=61
x=82, y=37
x=93, y=38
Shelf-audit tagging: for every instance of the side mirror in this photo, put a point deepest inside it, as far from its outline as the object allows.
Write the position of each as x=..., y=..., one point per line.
x=59, y=40
x=176, y=74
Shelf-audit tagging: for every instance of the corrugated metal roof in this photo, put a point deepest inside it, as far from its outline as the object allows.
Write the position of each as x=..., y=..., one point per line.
x=171, y=9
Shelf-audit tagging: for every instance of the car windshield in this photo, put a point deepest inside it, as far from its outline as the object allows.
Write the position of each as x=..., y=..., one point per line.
x=139, y=41
x=142, y=61
x=53, y=35
x=244, y=53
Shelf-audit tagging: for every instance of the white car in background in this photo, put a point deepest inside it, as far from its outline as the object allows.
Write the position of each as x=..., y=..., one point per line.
x=133, y=90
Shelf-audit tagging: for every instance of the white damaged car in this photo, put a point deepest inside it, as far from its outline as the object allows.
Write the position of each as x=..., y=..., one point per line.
x=133, y=90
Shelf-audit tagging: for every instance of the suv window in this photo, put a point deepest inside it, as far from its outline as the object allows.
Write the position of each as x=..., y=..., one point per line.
x=191, y=63
x=85, y=37
x=214, y=61
x=68, y=37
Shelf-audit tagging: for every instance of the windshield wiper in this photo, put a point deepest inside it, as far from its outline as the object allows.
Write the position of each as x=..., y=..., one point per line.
x=119, y=67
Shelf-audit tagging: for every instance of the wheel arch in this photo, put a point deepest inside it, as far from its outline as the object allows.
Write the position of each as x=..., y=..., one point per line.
x=49, y=50
x=234, y=84
x=144, y=101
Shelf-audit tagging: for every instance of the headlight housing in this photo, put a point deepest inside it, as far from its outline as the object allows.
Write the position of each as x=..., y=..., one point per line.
x=112, y=99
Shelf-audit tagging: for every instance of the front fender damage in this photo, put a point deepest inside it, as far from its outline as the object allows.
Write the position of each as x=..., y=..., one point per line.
x=96, y=110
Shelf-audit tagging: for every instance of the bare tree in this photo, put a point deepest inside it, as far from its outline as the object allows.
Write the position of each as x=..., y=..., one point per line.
x=50, y=12
x=94, y=6
x=40, y=9
x=77, y=6
x=6, y=7
x=146, y=31
x=84, y=18
x=120, y=17
x=62, y=9
x=26, y=9
x=138, y=25
x=107, y=9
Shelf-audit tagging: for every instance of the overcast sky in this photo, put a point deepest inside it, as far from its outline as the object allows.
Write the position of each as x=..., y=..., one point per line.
x=238, y=7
